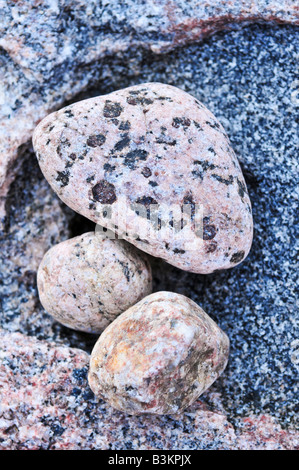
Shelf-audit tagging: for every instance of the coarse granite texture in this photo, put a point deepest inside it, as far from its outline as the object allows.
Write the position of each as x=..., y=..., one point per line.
x=193, y=211
x=46, y=404
x=248, y=79
x=48, y=50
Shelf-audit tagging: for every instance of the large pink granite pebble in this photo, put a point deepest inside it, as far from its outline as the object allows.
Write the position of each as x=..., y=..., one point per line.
x=151, y=149
x=85, y=282
x=158, y=357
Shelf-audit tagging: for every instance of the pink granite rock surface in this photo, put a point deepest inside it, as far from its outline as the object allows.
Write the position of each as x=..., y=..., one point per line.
x=151, y=150
x=85, y=282
x=45, y=403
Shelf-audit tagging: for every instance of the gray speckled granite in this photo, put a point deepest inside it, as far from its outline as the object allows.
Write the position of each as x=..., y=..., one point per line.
x=248, y=80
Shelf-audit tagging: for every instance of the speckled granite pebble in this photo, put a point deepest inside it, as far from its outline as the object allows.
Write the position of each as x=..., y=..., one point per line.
x=156, y=147
x=159, y=356
x=85, y=282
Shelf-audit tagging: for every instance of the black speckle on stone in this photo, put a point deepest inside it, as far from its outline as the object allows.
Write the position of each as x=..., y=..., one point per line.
x=63, y=177
x=125, y=126
x=90, y=179
x=133, y=157
x=203, y=166
x=146, y=172
x=237, y=257
x=165, y=140
x=153, y=183
x=188, y=200
x=134, y=92
x=121, y=144
x=211, y=247
x=165, y=98
x=131, y=100
x=96, y=140
x=213, y=124
x=197, y=125
x=209, y=231
x=242, y=188
x=104, y=192
x=68, y=113
x=48, y=141
x=210, y=149
x=146, y=201
x=184, y=122
x=57, y=430
x=178, y=251
x=109, y=168
x=112, y=109
x=80, y=375
x=58, y=150
x=126, y=270
x=76, y=392
x=219, y=178
x=134, y=100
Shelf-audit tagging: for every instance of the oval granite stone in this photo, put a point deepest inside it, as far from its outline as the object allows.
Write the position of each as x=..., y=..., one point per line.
x=155, y=154
x=85, y=282
x=158, y=356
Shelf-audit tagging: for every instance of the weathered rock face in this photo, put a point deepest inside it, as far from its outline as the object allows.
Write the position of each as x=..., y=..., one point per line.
x=46, y=404
x=85, y=282
x=49, y=54
x=150, y=150
x=158, y=357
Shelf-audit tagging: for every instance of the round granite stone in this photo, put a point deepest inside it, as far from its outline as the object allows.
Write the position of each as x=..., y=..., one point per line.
x=159, y=356
x=85, y=282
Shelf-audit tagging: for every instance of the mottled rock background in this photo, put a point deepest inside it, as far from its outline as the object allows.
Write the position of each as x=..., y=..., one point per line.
x=247, y=78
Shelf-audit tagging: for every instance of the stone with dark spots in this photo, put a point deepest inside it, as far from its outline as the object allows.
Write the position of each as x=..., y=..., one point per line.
x=104, y=192
x=175, y=142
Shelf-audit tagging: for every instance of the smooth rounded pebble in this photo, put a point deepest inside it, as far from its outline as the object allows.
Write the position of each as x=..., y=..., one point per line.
x=151, y=150
x=85, y=282
x=158, y=356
